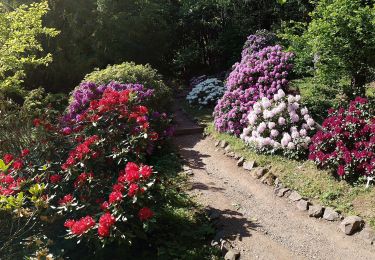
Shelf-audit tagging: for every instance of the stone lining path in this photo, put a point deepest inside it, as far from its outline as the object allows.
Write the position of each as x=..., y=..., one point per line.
x=260, y=224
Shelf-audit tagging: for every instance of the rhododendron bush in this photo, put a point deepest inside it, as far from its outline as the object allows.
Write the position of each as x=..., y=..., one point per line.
x=98, y=180
x=279, y=125
x=347, y=141
x=206, y=93
x=260, y=73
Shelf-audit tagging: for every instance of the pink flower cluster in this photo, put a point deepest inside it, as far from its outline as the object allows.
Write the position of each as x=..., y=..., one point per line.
x=279, y=125
x=259, y=74
x=347, y=141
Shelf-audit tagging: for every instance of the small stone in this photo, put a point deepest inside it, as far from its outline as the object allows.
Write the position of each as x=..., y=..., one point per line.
x=189, y=172
x=294, y=196
x=368, y=234
x=217, y=143
x=237, y=156
x=240, y=161
x=281, y=192
x=302, y=205
x=330, y=214
x=223, y=143
x=249, y=165
x=214, y=215
x=268, y=179
x=225, y=247
x=258, y=173
x=316, y=211
x=231, y=154
x=227, y=149
x=214, y=243
x=185, y=167
x=232, y=254
x=351, y=224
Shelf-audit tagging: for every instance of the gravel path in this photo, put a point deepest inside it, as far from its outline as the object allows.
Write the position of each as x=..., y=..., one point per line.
x=261, y=225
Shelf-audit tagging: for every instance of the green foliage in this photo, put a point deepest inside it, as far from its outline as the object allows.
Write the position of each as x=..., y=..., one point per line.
x=340, y=39
x=129, y=72
x=37, y=100
x=342, y=33
x=20, y=47
x=291, y=34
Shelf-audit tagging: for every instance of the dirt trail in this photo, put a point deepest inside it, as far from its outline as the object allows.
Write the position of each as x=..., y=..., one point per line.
x=266, y=226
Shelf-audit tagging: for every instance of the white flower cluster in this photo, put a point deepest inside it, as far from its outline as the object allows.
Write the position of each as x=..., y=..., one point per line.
x=206, y=93
x=279, y=124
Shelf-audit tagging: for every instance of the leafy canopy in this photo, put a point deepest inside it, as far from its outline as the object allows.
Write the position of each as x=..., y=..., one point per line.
x=20, y=31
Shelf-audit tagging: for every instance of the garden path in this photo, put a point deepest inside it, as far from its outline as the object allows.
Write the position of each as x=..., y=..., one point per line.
x=260, y=224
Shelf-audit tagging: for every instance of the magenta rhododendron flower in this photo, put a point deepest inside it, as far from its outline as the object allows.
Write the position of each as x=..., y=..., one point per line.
x=347, y=141
x=259, y=74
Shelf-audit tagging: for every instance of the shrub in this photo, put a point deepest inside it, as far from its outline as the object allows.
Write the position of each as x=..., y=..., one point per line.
x=206, y=93
x=279, y=125
x=96, y=176
x=346, y=143
x=129, y=72
x=259, y=74
x=260, y=40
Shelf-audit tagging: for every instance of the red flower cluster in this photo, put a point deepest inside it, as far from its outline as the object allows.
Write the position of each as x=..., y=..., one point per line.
x=78, y=227
x=145, y=214
x=66, y=199
x=80, y=152
x=106, y=221
x=347, y=141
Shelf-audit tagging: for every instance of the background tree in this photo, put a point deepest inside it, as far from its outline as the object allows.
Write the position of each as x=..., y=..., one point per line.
x=20, y=48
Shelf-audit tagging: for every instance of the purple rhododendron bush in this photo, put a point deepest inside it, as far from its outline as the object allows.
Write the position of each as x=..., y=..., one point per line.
x=260, y=73
x=280, y=125
x=95, y=182
x=346, y=143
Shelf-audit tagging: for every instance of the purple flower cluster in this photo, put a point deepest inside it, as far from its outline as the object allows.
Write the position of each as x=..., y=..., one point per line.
x=259, y=74
x=88, y=91
x=258, y=41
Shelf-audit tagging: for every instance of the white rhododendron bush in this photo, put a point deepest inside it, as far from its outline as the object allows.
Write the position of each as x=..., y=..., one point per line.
x=206, y=93
x=279, y=126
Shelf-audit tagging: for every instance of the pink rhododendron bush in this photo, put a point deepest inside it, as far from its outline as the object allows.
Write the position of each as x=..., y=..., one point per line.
x=279, y=125
x=95, y=182
x=260, y=73
x=346, y=143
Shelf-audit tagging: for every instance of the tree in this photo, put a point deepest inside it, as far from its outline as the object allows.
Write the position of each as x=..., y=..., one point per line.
x=20, y=31
x=342, y=35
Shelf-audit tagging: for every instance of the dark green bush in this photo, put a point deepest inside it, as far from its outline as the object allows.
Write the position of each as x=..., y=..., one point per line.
x=129, y=72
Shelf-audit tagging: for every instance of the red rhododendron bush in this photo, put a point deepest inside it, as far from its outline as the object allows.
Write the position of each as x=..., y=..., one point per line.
x=94, y=180
x=347, y=141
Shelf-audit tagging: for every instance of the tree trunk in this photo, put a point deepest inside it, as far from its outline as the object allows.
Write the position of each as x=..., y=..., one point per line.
x=358, y=84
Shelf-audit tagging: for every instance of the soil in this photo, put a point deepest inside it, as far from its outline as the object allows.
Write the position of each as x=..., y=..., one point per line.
x=258, y=223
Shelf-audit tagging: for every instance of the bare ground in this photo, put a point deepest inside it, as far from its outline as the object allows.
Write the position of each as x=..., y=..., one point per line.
x=260, y=224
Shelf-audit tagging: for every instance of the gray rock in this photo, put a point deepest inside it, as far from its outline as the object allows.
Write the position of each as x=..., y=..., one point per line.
x=240, y=161
x=351, y=224
x=227, y=149
x=237, y=156
x=330, y=214
x=249, y=165
x=217, y=143
x=268, y=179
x=189, y=172
x=231, y=154
x=223, y=143
x=302, y=205
x=225, y=247
x=294, y=196
x=232, y=254
x=316, y=211
x=258, y=173
x=368, y=234
x=185, y=167
x=281, y=192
